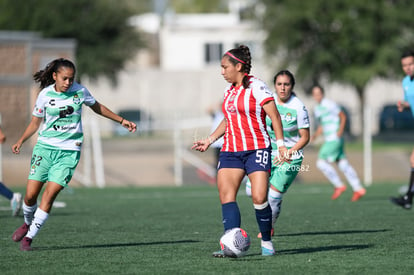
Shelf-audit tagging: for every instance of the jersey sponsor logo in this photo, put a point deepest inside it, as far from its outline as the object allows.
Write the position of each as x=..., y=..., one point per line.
x=63, y=128
x=52, y=102
x=65, y=111
x=38, y=110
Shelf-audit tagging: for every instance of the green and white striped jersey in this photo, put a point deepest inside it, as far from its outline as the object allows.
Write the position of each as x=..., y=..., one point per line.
x=327, y=114
x=62, y=125
x=294, y=116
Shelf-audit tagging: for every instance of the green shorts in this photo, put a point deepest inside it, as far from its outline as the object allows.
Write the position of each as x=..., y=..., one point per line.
x=53, y=165
x=283, y=175
x=332, y=151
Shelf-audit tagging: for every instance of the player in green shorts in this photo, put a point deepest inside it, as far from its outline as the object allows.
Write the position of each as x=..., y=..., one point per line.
x=295, y=121
x=332, y=124
x=57, y=151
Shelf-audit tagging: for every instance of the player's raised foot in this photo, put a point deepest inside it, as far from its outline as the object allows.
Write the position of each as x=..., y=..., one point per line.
x=219, y=254
x=404, y=201
x=272, y=233
x=25, y=244
x=16, y=203
x=267, y=248
x=20, y=232
x=338, y=191
x=358, y=194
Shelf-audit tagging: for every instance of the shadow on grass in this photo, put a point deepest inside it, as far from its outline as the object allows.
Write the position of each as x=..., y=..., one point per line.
x=312, y=250
x=111, y=245
x=323, y=248
x=333, y=232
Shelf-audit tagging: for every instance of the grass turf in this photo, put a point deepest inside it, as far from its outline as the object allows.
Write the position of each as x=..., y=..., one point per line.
x=172, y=230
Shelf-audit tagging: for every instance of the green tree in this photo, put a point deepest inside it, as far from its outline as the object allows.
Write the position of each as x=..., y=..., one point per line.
x=345, y=41
x=105, y=40
x=198, y=6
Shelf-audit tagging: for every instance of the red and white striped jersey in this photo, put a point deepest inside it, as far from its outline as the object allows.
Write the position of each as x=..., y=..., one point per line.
x=246, y=119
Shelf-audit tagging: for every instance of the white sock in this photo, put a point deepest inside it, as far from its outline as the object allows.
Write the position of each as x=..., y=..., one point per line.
x=329, y=172
x=248, y=188
x=267, y=244
x=350, y=174
x=275, y=201
x=28, y=212
x=40, y=218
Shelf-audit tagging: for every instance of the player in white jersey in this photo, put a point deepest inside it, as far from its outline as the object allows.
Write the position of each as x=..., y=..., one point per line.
x=246, y=148
x=57, y=151
x=332, y=124
x=295, y=121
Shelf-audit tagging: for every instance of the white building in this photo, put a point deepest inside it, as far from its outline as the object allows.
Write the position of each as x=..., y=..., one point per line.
x=179, y=74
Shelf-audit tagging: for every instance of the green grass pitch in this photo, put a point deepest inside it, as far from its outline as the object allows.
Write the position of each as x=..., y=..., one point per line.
x=174, y=230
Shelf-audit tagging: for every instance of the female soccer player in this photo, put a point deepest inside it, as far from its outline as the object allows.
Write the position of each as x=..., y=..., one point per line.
x=332, y=124
x=57, y=152
x=295, y=121
x=246, y=148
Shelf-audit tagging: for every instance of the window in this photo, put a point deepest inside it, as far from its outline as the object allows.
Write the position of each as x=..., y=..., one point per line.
x=213, y=52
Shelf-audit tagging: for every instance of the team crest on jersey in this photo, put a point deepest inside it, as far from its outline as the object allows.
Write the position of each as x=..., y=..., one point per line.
x=288, y=117
x=33, y=170
x=231, y=108
x=76, y=99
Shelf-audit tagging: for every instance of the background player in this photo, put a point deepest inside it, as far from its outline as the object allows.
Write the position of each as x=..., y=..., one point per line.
x=407, y=63
x=331, y=121
x=295, y=121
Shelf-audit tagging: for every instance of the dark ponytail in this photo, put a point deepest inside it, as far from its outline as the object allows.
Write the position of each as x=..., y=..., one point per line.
x=45, y=76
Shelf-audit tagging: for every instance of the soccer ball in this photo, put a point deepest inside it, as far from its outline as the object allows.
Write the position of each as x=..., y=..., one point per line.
x=235, y=242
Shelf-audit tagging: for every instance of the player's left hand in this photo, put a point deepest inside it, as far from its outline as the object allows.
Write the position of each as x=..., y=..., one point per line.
x=283, y=156
x=131, y=126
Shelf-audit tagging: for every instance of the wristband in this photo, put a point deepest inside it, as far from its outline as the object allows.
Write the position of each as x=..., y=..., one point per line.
x=280, y=143
x=121, y=121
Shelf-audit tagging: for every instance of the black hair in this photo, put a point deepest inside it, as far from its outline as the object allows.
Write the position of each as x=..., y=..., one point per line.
x=242, y=54
x=289, y=74
x=407, y=53
x=320, y=87
x=45, y=76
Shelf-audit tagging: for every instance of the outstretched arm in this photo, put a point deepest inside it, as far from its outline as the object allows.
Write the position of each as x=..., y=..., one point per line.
x=105, y=112
x=30, y=130
x=203, y=144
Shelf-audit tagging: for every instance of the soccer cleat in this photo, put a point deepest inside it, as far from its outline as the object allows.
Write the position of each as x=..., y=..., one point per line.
x=338, y=191
x=219, y=254
x=25, y=244
x=403, y=201
x=16, y=203
x=358, y=194
x=20, y=232
x=268, y=252
x=272, y=233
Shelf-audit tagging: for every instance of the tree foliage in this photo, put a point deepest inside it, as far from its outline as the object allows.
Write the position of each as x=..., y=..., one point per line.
x=346, y=41
x=198, y=6
x=105, y=41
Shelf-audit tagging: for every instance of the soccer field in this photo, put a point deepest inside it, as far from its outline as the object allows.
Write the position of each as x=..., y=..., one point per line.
x=174, y=230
